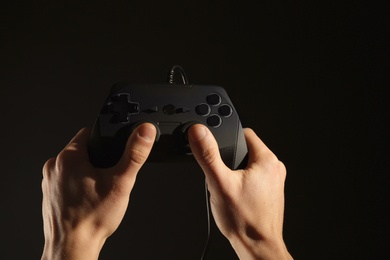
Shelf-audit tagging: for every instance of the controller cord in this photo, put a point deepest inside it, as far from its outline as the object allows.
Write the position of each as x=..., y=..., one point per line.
x=171, y=74
x=205, y=250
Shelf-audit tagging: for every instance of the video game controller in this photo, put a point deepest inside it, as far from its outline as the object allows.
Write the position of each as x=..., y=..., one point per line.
x=172, y=108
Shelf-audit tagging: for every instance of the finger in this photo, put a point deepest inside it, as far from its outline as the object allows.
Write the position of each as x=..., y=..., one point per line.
x=205, y=149
x=258, y=152
x=137, y=149
x=75, y=150
x=48, y=167
x=79, y=143
x=81, y=137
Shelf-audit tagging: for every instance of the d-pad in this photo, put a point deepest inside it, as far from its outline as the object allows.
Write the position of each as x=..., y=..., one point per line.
x=122, y=107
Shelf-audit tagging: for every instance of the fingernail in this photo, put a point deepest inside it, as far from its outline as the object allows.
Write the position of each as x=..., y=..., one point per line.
x=199, y=133
x=147, y=132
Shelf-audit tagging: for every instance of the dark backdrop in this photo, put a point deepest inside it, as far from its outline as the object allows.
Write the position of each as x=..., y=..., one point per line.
x=308, y=77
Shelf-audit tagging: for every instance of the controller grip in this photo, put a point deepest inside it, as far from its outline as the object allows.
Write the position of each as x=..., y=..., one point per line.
x=241, y=151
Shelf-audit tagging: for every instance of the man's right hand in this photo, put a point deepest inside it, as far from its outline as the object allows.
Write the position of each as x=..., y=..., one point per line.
x=247, y=204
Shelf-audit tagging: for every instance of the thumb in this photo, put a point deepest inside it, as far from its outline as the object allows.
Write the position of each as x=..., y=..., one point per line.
x=137, y=149
x=205, y=149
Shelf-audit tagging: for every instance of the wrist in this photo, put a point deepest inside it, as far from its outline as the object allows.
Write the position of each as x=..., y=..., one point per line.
x=76, y=245
x=264, y=248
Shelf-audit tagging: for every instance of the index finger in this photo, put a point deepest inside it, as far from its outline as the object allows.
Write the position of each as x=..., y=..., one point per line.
x=79, y=143
x=257, y=150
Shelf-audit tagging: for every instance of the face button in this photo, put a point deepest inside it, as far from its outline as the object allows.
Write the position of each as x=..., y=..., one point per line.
x=214, y=121
x=225, y=110
x=213, y=99
x=203, y=109
x=169, y=109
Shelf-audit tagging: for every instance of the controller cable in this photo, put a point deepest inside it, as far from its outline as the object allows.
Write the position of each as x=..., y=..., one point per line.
x=171, y=74
x=206, y=247
x=184, y=78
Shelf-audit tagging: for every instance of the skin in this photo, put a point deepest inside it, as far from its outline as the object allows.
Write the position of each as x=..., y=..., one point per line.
x=248, y=204
x=82, y=205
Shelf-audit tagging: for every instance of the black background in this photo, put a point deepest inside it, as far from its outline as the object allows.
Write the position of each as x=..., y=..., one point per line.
x=308, y=76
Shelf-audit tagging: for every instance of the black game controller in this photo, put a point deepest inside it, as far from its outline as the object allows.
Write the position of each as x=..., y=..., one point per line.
x=172, y=108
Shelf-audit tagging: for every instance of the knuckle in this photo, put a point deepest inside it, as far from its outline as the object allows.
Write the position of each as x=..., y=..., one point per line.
x=270, y=158
x=47, y=167
x=271, y=161
x=277, y=167
x=62, y=157
x=137, y=156
x=209, y=156
x=281, y=167
x=43, y=186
